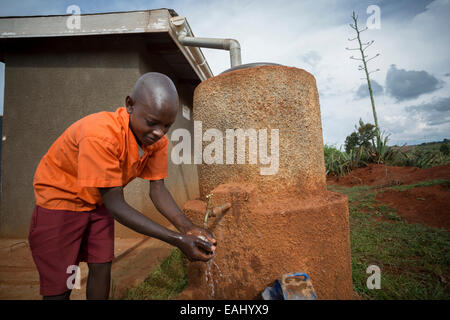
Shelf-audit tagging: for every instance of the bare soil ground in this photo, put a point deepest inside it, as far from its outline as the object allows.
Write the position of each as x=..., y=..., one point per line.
x=134, y=260
x=427, y=205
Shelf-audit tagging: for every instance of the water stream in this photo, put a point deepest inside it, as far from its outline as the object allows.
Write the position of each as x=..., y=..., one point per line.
x=209, y=275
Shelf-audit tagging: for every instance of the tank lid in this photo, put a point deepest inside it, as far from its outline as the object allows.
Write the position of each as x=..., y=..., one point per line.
x=251, y=65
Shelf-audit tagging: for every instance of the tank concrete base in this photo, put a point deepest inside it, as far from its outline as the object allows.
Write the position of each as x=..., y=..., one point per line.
x=261, y=239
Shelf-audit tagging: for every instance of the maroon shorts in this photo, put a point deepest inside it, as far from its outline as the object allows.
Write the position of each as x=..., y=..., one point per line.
x=60, y=239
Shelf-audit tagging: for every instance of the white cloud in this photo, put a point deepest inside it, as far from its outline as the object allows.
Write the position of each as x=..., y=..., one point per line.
x=312, y=35
x=291, y=33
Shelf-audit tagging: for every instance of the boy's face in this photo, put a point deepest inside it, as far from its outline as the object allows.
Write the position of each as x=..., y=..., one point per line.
x=150, y=122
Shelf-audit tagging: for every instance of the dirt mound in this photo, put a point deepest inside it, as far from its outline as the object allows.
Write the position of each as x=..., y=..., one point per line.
x=382, y=175
x=426, y=205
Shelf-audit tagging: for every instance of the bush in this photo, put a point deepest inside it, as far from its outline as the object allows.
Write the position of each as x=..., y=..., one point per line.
x=361, y=143
x=445, y=149
x=361, y=150
x=340, y=163
x=424, y=158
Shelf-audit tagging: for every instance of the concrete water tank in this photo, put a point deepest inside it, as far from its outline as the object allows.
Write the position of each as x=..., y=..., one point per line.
x=271, y=98
x=282, y=222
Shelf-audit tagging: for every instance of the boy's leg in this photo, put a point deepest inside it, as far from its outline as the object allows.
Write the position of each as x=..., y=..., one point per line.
x=98, y=281
x=97, y=250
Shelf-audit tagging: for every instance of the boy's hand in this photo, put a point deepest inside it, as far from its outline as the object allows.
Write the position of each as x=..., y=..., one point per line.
x=203, y=233
x=195, y=248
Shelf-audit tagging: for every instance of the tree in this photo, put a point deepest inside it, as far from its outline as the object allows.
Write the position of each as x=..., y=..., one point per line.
x=362, y=137
x=351, y=142
x=445, y=149
x=362, y=47
x=367, y=132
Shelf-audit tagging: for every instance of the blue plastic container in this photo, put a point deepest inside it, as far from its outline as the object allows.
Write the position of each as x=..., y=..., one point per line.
x=291, y=286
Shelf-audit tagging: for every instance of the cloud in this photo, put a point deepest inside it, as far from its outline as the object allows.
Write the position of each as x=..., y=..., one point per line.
x=311, y=57
x=415, y=126
x=312, y=35
x=433, y=113
x=398, y=9
x=405, y=85
x=363, y=90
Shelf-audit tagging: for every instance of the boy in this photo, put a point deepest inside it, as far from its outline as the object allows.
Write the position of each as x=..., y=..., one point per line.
x=79, y=183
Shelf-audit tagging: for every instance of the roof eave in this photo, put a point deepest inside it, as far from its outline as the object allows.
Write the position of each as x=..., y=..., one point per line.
x=149, y=21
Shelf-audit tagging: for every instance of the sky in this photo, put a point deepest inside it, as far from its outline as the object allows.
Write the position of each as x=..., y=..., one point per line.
x=411, y=88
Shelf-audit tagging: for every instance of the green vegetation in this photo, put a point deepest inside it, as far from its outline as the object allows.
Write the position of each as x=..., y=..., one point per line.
x=445, y=149
x=336, y=161
x=414, y=259
x=165, y=282
x=362, y=137
x=418, y=184
x=361, y=150
x=425, y=155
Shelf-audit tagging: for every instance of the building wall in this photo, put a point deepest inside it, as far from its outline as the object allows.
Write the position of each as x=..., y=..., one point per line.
x=51, y=84
x=1, y=130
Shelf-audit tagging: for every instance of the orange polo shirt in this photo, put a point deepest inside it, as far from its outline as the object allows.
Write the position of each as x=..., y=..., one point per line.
x=99, y=150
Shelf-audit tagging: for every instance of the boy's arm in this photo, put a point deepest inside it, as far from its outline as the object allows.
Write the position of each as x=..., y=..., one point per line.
x=129, y=217
x=163, y=201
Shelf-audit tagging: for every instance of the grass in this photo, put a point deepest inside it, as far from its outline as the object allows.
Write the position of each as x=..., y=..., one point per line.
x=420, y=184
x=165, y=282
x=414, y=259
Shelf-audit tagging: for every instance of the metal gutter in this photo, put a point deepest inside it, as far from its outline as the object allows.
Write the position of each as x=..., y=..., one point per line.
x=224, y=44
x=196, y=57
x=183, y=33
